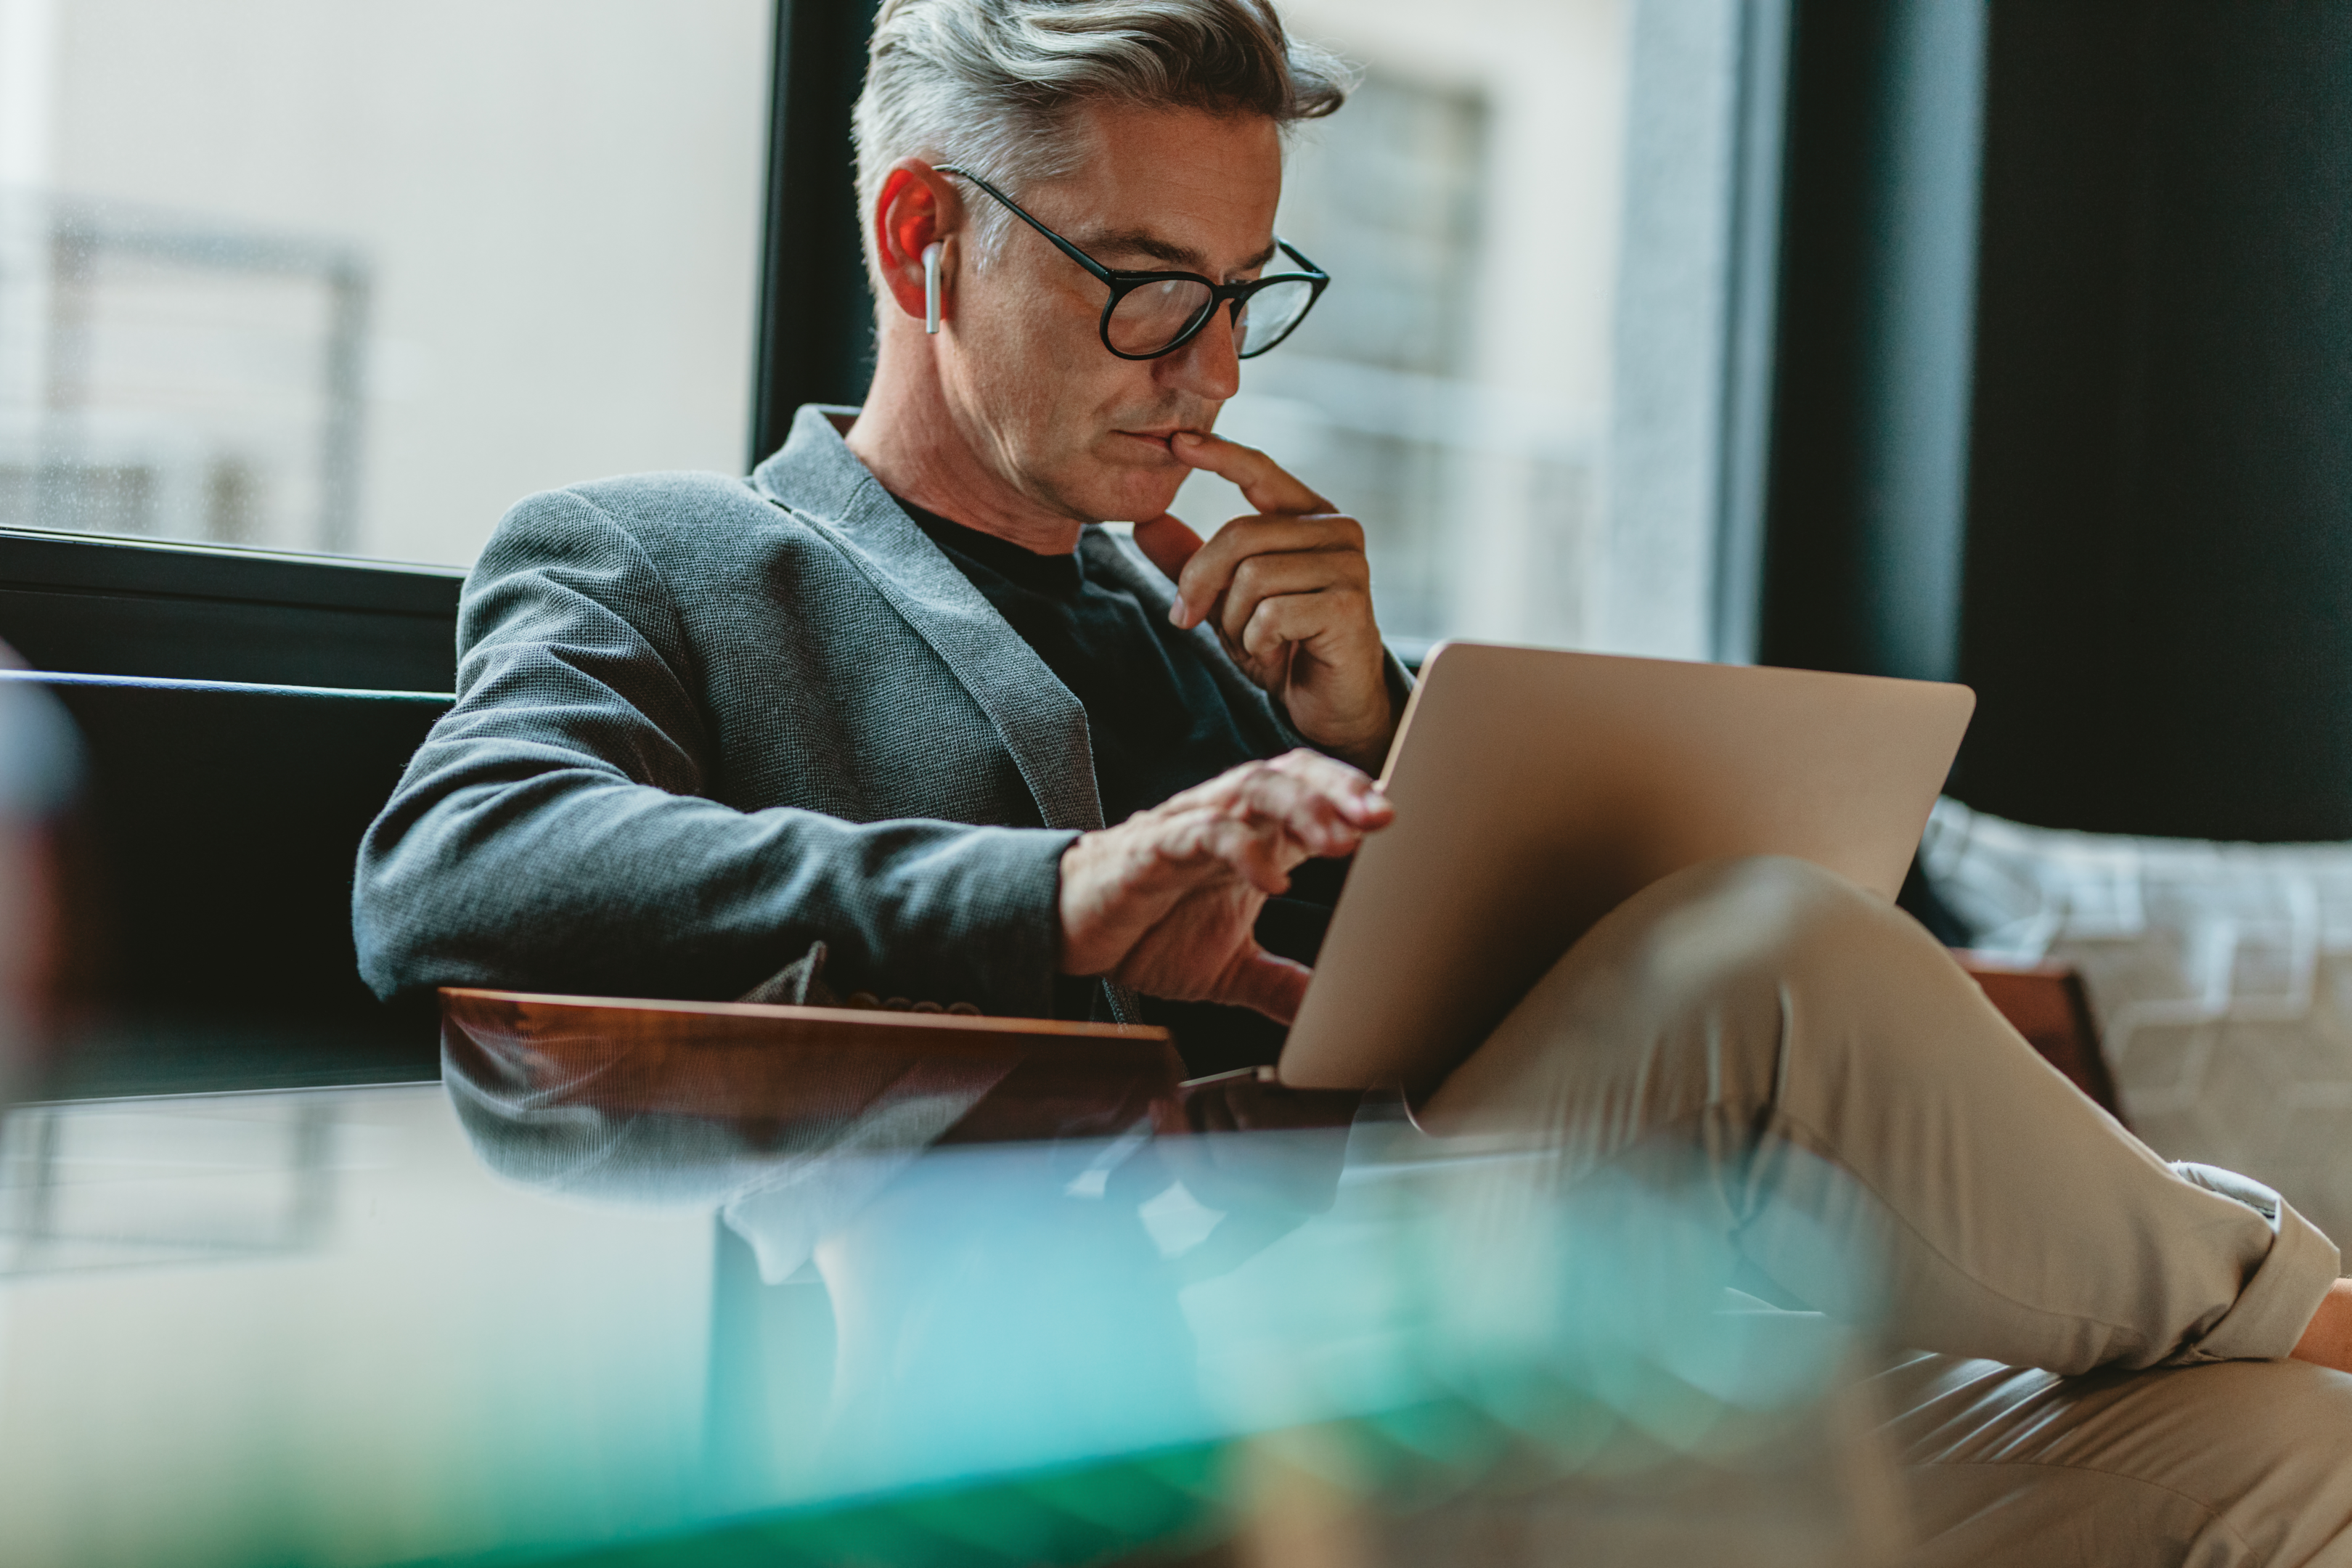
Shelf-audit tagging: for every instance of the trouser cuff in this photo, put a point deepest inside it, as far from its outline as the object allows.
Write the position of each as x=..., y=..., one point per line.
x=2276, y=1305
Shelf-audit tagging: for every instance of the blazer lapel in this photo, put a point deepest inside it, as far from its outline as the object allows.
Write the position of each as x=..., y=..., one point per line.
x=1042, y=725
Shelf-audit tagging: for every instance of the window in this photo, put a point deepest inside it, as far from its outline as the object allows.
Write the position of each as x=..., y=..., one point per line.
x=316, y=275
x=1520, y=376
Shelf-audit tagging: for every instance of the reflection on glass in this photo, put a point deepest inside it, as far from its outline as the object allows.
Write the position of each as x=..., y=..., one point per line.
x=905, y=1301
x=147, y=1184
x=1341, y=1344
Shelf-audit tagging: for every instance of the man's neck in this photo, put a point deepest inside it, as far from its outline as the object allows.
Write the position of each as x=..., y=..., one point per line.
x=910, y=439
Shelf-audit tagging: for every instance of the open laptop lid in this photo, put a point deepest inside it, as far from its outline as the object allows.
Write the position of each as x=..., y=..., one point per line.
x=1535, y=791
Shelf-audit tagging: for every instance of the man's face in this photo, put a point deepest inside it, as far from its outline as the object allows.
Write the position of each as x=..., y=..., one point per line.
x=1069, y=425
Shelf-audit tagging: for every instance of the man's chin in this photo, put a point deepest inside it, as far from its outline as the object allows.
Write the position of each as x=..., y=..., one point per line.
x=1121, y=492
x=1139, y=499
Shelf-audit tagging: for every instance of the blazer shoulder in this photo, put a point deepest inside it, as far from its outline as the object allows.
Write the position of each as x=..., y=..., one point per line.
x=657, y=503
x=675, y=522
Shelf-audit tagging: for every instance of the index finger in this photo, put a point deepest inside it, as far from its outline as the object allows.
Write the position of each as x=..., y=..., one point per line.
x=1300, y=785
x=1263, y=482
x=1208, y=570
x=1300, y=778
x=1356, y=792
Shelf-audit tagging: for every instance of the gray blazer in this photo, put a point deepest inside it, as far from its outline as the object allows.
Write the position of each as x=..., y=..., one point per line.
x=704, y=723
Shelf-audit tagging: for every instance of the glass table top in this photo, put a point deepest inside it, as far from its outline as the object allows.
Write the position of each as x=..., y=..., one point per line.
x=601, y=1298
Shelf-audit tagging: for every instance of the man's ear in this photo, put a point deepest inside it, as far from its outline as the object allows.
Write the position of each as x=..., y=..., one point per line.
x=916, y=208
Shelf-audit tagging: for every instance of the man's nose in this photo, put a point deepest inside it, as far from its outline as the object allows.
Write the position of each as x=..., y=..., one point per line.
x=1210, y=365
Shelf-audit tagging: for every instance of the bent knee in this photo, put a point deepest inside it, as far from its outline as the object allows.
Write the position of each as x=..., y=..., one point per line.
x=1685, y=984
x=1760, y=917
x=1696, y=972
x=1761, y=884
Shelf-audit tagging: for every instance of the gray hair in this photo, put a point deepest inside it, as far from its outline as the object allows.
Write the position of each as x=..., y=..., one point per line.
x=991, y=85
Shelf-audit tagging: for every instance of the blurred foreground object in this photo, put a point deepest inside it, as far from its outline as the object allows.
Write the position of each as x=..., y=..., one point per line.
x=38, y=763
x=350, y=1342
x=1027, y=1298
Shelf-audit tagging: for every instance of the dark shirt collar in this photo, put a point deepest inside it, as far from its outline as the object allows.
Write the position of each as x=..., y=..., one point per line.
x=815, y=478
x=1059, y=575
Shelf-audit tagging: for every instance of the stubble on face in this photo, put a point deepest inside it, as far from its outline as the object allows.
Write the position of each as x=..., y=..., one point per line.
x=1078, y=431
x=1120, y=457
x=1069, y=447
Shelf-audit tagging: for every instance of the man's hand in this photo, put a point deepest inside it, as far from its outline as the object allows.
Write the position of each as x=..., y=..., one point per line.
x=1165, y=901
x=1290, y=596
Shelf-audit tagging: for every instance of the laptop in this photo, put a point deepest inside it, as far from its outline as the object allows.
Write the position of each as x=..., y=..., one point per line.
x=1537, y=790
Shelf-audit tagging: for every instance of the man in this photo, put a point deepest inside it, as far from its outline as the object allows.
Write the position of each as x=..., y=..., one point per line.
x=894, y=716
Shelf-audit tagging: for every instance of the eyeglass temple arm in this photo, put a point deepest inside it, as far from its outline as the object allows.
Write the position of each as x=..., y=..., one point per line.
x=1300, y=257
x=1081, y=257
x=1063, y=246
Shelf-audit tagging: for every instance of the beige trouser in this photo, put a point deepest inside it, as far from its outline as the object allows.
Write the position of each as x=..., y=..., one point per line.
x=1763, y=1011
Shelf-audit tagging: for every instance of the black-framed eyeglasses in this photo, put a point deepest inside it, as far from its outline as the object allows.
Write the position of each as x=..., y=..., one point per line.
x=1155, y=313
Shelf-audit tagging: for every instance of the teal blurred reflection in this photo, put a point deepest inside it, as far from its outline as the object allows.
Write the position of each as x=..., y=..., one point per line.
x=1065, y=1350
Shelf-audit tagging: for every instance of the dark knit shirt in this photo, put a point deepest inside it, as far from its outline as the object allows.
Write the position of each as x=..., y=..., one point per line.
x=1158, y=724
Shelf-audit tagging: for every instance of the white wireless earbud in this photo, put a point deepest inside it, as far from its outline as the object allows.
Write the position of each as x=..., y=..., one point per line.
x=931, y=287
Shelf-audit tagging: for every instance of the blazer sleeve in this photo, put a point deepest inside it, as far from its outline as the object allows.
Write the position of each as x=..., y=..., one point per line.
x=550, y=834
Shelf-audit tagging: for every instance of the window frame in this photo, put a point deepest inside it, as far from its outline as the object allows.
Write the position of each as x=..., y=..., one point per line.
x=815, y=318
x=173, y=609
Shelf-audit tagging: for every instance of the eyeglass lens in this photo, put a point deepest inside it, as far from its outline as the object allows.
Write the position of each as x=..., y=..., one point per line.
x=1270, y=312
x=1147, y=320
x=1150, y=317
